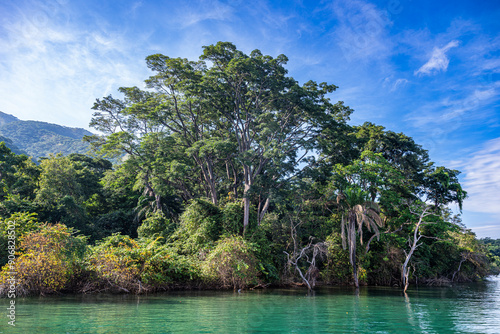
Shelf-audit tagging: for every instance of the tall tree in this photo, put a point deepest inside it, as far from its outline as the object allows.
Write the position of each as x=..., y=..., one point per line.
x=237, y=119
x=270, y=115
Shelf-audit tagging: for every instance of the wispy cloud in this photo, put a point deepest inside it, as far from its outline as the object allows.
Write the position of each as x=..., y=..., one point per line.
x=55, y=71
x=482, y=179
x=490, y=229
x=190, y=14
x=452, y=112
x=135, y=7
x=438, y=61
x=361, y=32
x=395, y=84
x=470, y=96
x=487, y=229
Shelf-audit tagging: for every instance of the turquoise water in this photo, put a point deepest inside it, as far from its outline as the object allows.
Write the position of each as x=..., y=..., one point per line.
x=471, y=308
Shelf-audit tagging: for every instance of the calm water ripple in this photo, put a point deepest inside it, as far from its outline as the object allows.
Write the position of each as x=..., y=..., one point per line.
x=468, y=308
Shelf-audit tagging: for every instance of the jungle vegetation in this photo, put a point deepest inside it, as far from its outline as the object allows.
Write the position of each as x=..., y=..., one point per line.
x=232, y=174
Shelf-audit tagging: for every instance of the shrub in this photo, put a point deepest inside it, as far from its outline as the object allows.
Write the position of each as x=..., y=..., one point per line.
x=200, y=226
x=165, y=267
x=232, y=263
x=337, y=269
x=113, y=266
x=156, y=225
x=47, y=260
x=232, y=218
x=121, y=264
x=21, y=223
x=40, y=273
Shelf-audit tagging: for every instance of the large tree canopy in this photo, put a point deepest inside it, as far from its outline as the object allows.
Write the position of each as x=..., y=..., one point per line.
x=226, y=121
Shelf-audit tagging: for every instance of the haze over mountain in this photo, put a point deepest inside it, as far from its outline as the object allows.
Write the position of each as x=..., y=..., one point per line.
x=11, y=145
x=39, y=139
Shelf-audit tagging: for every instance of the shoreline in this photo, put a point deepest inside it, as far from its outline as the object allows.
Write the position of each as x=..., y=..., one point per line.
x=269, y=287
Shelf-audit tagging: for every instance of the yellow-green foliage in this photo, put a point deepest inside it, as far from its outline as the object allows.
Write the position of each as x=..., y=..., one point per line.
x=471, y=254
x=232, y=263
x=23, y=222
x=114, y=265
x=40, y=273
x=119, y=263
x=46, y=260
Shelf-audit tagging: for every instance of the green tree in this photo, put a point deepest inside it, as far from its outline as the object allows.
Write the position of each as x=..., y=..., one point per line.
x=398, y=149
x=18, y=174
x=271, y=116
x=358, y=211
x=238, y=119
x=70, y=190
x=59, y=178
x=441, y=186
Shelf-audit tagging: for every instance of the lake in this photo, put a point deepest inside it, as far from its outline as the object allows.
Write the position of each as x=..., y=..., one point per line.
x=465, y=308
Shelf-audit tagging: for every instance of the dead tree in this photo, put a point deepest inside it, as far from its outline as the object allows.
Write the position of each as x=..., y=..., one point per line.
x=309, y=253
x=414, y=243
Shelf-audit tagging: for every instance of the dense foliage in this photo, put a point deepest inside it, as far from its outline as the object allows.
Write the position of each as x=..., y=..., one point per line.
x=493, y=246
x=234, y=175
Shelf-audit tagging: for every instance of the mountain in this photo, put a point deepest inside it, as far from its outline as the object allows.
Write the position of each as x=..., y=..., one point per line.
x=11, y=145
x=6, y=118
x=39, y=139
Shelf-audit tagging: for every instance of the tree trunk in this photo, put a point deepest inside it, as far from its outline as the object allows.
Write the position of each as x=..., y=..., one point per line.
x=207, y=173
x=355, y=275
x=158, y=202
x=211, y=181
x=464, y=258
x=264, y=210
x=246, y=213
x=352, y=250
x=405, y=271
x=246, y=199
x=213, y=194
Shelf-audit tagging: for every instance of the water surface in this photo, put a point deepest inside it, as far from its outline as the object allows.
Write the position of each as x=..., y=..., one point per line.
x=466, y=308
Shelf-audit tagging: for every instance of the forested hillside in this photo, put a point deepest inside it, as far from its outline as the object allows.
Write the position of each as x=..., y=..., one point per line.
x=39, y=139
x=11, y=145
x=236, y=176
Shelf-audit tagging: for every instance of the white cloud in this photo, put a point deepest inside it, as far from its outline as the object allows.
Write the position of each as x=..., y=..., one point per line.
x=482, y=179
x=438, y=61
x=136, y=6
x=483, y=224
x=394, y=85
x=189, y=15
x=54, y=72
x=451, y=113
x=361, y=32
x=487, y=229
x=471, y=102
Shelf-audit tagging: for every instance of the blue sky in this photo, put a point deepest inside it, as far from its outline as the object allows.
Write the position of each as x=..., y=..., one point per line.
x=430, y=69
